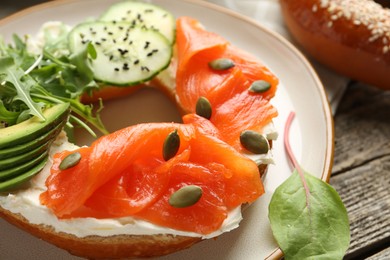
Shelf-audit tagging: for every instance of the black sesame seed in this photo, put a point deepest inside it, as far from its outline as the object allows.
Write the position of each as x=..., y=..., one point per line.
x=144, y=68
x=116, y=69
x=122, y=52
x=146, y=45
x=136, y=62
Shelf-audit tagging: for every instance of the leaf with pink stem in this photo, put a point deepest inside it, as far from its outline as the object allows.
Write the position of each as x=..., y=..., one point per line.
x=307, y=217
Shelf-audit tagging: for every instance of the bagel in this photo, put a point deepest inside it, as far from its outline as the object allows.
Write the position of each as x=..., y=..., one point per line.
x=87, y=232
x=352, y=37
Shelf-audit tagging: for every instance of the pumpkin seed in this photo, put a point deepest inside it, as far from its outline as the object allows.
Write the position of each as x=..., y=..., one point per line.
x=203, y=108
x=221, y=64
x=69, y=161
x=254, y=142
x=186, y=196
x=171, y=145
x=260, y=86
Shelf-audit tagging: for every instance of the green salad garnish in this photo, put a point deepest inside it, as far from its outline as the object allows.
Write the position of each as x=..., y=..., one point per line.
x=37, y=77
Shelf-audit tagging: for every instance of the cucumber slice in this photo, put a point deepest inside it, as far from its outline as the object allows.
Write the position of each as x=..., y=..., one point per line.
x=145, y=14
x=126, y=55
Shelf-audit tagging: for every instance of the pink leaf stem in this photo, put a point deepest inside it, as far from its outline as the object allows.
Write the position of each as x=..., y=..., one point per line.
x=291, y=156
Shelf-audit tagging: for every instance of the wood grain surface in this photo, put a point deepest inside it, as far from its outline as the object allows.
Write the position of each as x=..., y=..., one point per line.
x=361, y=171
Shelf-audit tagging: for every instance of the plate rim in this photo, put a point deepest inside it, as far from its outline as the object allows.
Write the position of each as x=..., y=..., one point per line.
x=325, y=105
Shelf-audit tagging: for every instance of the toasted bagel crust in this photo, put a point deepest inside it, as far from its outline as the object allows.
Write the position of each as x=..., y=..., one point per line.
x=96, y=247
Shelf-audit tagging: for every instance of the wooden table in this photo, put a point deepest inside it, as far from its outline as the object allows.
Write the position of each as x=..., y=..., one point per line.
x=361, y=171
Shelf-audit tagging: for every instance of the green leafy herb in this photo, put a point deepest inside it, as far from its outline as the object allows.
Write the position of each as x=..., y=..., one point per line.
x=307, y=216
x=15, y=77
x=7, y=117
x=30, y=81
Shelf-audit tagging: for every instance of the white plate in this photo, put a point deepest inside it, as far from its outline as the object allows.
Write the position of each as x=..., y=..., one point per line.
x=300, y=91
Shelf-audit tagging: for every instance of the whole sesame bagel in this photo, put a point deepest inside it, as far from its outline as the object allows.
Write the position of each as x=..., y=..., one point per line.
x=351, y=37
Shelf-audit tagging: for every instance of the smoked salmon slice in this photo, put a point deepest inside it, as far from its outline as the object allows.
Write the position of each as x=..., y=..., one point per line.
x=234, y=107
x=107, y=157
x=124, y=174
x=196, y=47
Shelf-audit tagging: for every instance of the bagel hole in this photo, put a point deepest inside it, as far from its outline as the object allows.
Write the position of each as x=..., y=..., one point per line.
x=146, y=105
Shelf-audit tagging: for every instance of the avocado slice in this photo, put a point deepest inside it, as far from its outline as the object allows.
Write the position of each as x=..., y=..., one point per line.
x=9, y=185
x=23, y=158
x=33, y=127
x=12, y=172
x=26, y=147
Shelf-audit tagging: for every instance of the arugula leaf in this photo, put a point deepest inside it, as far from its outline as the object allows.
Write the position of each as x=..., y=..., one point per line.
x=7, y=117
x=81, y=61
x=6, y=63
x=78, y=108
x=307, y=217
x=16, y=78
